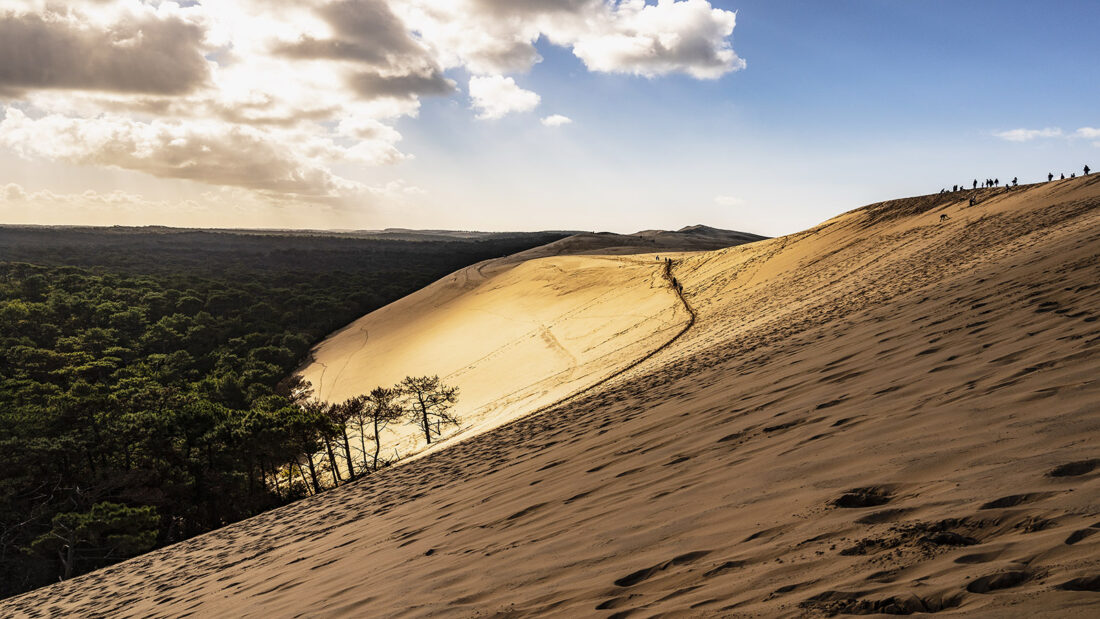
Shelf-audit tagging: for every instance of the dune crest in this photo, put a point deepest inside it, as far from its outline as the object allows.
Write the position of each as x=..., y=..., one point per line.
x=888, y=413
x=517, y=333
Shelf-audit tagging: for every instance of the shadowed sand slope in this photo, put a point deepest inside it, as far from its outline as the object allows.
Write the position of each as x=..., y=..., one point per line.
x=885, y=413
x=520, y=332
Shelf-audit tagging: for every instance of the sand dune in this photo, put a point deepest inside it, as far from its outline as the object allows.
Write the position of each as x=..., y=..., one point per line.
x=520, y=332
x=884, y=414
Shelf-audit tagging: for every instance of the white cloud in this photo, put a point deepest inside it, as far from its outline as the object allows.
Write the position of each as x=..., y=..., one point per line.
x=728, y=201
x=556, y=120
x=1026, y=135
x=669, y=37
x=613, y=36
x=289, y=163
x=495, y=96
x=269, y=96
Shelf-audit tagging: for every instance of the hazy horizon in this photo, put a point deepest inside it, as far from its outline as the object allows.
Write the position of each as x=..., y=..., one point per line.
x=496, y=115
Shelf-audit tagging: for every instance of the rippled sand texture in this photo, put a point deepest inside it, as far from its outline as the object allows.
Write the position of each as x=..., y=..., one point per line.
x=886, y=413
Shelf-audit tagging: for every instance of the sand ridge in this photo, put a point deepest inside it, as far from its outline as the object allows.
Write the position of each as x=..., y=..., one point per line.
x=882, y=414
x=517, y=333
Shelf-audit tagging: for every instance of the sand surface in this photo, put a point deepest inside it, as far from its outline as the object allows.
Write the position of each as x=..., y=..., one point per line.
x=884, y=413
x=516, y=333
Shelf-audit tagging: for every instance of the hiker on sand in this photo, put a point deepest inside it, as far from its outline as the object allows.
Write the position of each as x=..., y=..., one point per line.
x=1050, y=176
x=1014, y=181
x=973, y=201
x=1087, y=170
x=975, y=183
x=1063, y=176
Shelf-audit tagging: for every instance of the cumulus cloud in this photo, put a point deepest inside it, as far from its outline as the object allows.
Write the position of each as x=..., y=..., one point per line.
x=669, y=37
x=612, y=36
x=556, y=120
x=401, y=86
x=140, y=53
x=272, y=96
x=1026, y=135
x=12, y=192
x=238, y=156
x=362, y=30
x=495, y=96
x=1089, y=133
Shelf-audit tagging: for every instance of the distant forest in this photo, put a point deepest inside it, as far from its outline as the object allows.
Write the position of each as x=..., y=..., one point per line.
x=143, y=375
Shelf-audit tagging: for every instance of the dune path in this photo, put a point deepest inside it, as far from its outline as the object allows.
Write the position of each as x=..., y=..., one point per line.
x=889, y=413
x=516, y=334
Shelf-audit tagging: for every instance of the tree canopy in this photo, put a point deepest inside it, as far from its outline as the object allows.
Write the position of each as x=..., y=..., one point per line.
x=144, y=391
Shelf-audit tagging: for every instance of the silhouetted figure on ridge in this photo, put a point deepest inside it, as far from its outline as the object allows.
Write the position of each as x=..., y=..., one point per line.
x=1050, y=176
x=975, y=183
x=1087, y=170
x=1013, y=181
x=1063, y=176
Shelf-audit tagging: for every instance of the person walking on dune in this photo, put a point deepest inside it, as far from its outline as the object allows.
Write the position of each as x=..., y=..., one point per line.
x=1087, y=170
x=1050, y=176
x=975, y=183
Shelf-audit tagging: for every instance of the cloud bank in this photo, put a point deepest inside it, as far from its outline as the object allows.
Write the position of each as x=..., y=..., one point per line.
x=1027, y=135
x=282, y=98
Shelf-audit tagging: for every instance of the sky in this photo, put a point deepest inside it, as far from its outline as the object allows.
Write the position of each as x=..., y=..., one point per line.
x=622, y=115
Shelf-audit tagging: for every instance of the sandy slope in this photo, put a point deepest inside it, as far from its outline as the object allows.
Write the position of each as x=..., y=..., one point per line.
x=885, y=412
x=517, y=333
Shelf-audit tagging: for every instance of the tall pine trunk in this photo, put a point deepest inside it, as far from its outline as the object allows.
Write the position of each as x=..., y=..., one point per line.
x=347, y=454
x=312, y=473
x=424, y=419
x=332, y=461
x=363, y=446
x=377, y=444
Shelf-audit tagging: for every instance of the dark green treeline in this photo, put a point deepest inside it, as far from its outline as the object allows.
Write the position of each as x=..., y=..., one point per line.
x=143, y=393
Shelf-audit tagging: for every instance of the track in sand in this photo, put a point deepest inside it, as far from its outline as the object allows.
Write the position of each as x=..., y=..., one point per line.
x=883, y=414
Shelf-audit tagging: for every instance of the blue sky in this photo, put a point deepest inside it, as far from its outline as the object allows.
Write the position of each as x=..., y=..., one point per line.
x=840, y=104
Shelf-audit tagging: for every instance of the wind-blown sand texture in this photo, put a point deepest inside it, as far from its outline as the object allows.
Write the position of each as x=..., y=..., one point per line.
x=517, y=333
x=884, y=413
